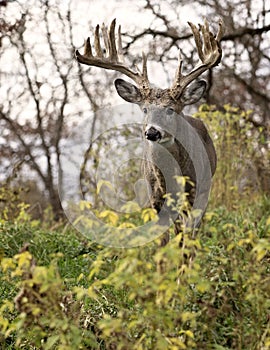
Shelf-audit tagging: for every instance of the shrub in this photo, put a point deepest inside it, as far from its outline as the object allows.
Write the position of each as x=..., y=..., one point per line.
x=86, y=297
x=60, y=291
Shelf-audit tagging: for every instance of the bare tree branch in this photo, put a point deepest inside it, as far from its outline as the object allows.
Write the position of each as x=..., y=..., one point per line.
x=245, y=31
x=16, y=129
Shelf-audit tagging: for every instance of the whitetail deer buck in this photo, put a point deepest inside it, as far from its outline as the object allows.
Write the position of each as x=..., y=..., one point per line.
x=166, y=130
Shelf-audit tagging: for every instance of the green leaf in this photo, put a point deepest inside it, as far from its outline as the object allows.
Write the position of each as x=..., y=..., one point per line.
x=51, y=342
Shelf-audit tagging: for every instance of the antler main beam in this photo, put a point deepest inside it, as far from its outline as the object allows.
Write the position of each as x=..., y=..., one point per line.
x=113, y=57
x=209, y=52
x=208, y=48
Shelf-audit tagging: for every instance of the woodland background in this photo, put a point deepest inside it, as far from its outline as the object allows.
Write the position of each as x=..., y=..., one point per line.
x=60, y=291
x=44, y=91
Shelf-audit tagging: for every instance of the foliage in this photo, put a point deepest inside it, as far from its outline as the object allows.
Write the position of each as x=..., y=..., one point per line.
x=10, y=202
x=241, y=153
x=62, y=292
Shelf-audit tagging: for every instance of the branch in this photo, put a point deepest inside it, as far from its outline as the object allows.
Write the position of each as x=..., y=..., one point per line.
x=60, y=119
x=172, y=34
x=157, y=14
x=15, y=127
x=22, y=51
x=63, y=77
x=246, y=31
x=249, y=87
x=92, y=101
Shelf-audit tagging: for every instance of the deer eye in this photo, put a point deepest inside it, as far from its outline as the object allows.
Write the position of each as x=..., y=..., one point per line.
x=144, y=110
x=170, y=111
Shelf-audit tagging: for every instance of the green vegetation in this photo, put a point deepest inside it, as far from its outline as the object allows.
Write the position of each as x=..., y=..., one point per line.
x=59, y=291
x=65, y=293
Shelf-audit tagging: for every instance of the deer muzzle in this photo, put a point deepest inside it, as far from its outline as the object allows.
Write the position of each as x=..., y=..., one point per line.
x=153, y=134
x=156, y=134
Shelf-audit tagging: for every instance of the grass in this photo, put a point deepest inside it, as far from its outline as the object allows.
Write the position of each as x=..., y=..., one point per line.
x=65, y=293
x=77, y=295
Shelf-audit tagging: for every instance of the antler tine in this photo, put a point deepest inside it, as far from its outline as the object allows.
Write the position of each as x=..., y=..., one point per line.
x=87, y=48
x=105, y=38
x=113, y=58
x=144, y=66
x=207, y=39
x=197, y=38
x=113, y=52
x=178, y=74
x=145, y=81
x=220, y=32
x=209, y=51
x=120, y=46
x=98, y=48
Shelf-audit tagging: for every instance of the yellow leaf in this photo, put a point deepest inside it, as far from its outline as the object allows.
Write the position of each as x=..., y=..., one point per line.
x=80, y=292
x=169, y=200
x=261, y=254
x=203, y=287
x=181, y=180
x=231, y=246
x=85, y=205
x=110, y=215
x=7, y=263
x=209, y=215
x=105, y=183
x=187, y=316
x=36, y=311
x=149, y=214
x=24, y=259
x=190, y=334
x=80, y=277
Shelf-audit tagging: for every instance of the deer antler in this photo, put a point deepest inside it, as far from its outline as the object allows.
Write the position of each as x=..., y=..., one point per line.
x=113, y=57
x=209, y=52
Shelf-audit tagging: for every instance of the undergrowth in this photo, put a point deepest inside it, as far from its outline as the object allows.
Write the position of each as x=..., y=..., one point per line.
x=59, y=291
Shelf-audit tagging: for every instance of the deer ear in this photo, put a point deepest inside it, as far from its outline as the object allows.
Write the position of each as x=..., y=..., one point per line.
x=128, y=91
x=193, y=93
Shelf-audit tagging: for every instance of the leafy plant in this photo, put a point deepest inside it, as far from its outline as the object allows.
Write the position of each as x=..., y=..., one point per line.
x=60, y=291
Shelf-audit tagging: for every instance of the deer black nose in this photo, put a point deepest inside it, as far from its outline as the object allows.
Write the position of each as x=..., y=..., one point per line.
x=152, y=134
